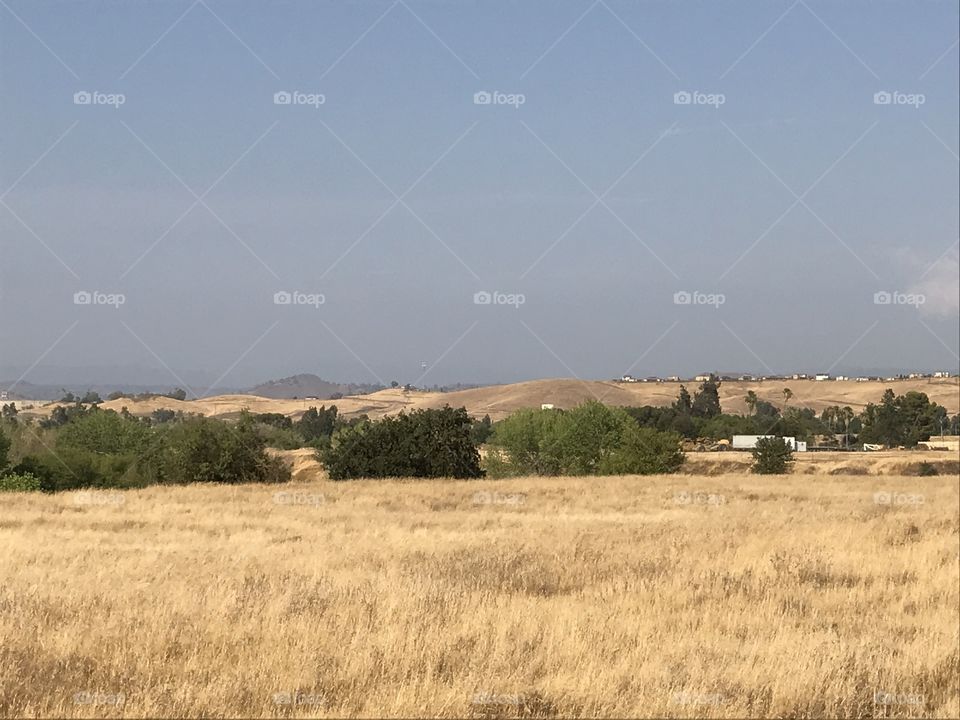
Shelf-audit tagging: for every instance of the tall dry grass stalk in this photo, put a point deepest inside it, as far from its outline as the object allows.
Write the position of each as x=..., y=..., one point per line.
x=731, y=596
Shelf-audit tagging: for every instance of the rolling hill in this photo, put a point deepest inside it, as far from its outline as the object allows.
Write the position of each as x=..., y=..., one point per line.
x=498, y=401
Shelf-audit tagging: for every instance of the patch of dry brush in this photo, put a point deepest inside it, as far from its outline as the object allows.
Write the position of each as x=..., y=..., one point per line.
x=729, y=596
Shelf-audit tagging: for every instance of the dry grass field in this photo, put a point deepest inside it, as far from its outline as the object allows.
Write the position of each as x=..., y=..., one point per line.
x=729, y=596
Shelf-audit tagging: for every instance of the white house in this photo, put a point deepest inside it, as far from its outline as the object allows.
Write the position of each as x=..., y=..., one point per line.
x=820, y=377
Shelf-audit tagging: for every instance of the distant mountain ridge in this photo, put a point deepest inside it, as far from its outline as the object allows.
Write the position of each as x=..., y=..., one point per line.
x=307, y=385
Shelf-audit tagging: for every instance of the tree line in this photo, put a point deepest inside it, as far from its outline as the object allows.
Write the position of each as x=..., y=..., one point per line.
x=81, y=445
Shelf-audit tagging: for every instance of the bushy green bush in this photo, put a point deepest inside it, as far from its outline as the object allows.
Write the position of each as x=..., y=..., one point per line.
x=644, y=451
x=19, y=482
x=104, y=432
x=202, y=449
x=280, y=438
x=71, y=469
x=101, y=449
x=423, y=443
x=772, y=456
x=590, y=439
x=4, y=450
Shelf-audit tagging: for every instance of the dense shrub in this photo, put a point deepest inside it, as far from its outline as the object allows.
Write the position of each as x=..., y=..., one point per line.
x=590, y=439
x=19, y=482
x=644, y=451
x=771, y=456
x=317, y=424
x=104, y=432
x=72, y=468
x=103, y=449
x=527, y=443
x=423, y=443
x=206, y=450
x=4, y=450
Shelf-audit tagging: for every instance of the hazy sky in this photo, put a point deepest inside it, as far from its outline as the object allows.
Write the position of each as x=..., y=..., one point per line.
x=781, y=198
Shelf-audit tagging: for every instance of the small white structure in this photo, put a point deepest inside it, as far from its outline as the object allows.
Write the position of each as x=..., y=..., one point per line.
x=546, y=406
x=820, y=377
x=702, y=378
x=749, y=442
x=941, y=374
x=628, y=378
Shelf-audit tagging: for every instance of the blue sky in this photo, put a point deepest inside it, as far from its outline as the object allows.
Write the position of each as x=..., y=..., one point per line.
x=780, y=200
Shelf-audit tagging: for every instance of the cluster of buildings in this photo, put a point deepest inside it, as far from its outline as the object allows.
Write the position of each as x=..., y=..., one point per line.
x=817, y=377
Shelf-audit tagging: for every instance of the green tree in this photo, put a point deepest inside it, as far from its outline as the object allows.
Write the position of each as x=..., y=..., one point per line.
x=644, y=451
x=706, y=403
x=105, y=432
x=772, y=456
x=19, y=482
x=590, y=432
x=751, y=400
x=787, y=394
x=423, y=443
x=684, y=403
x=9, y=413
x=4, y=451
x=527, y=442
x=482, y=430
x=202, y=449
x=316, y=424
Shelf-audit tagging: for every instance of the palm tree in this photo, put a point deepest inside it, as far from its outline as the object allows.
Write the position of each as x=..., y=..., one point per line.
x=787, y=394
x=847, y=414
x=751, y=400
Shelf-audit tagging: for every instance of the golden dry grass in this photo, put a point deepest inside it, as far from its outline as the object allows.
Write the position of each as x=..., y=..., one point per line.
x=499, y=401
x=729, y=596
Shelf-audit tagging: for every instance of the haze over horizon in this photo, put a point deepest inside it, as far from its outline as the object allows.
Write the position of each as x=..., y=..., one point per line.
x=669, y=188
